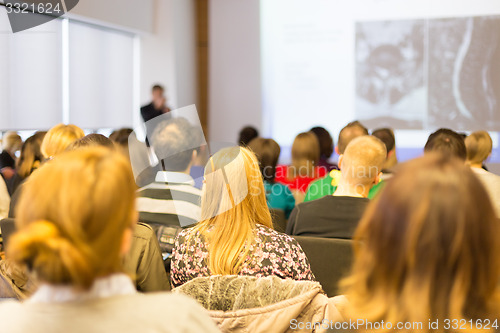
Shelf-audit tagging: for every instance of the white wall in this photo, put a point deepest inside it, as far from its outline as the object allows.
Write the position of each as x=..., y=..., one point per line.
x=234, y=68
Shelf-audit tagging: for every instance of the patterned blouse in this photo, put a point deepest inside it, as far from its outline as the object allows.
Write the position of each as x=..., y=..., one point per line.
x=272, y=253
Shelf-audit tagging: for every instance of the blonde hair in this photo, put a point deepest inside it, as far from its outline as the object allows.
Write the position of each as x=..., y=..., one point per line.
x=427, y=248
x=59, y=137
x=305, y=154
x=233, y=203
x=12, y=141
x=363, y=159
x=71, y=227
x=479, y=146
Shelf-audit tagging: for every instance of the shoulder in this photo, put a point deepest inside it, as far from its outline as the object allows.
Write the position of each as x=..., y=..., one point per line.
x=273, y=235
x=143, y=231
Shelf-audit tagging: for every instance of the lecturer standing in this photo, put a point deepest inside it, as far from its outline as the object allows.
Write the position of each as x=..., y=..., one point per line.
x=158, y=105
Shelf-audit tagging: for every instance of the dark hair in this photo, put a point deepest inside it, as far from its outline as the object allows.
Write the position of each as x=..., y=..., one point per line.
x=448, y=142
x=247, y=134
x=386, y=135
x=173, y=141
x=91, y=140
x=325, y=141
x=121, y=136
x=268, y=153
x=158, y=87
x=348, y=133
x=31, y=155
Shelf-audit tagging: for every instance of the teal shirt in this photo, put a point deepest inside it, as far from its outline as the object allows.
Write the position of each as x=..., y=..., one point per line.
x=279, y=196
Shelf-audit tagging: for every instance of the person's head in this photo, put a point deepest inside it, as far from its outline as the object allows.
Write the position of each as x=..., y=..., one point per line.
x=362, y=162
x=247, y=134
x=157, y=92
x=79, y=228
x=325, y=141
x=386, y=135
x=31, y=155
x=233, y=202
x=58, y=138
x=305, y=153
x=91, y=140
x=447, y=142
x=478, y=145
x=121, y=136
x=348, y=133
x=427, y=247
x=175, y=141
x=11, y=142
x=268, y=153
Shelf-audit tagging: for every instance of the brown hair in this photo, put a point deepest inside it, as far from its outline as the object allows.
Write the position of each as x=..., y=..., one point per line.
x=268, y=153
x=59, y=137
x=71, y=233
x=305, y=154
x=479, y=145
x=448, y=142
x=31, y=156
x=349, y=133
x=427, y=248
x=325, y=141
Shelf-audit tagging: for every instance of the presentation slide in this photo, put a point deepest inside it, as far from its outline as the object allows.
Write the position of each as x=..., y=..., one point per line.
x=414, y=66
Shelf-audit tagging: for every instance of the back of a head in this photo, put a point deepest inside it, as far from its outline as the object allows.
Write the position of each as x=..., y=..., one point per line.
x=305, y=150
x=348, y=133
x=121, y=136
x=386, y=135
x=268, y=153
x=31, y=155
x=363, y=159
x=72, y=233
x=479, y=146
x=174, y=141
x=247, y=134
x=325, y=141
x=233, y=202
x=11, y=141
x=432, y=236
x=59, y=137
x=448, y=142
x=91, y=140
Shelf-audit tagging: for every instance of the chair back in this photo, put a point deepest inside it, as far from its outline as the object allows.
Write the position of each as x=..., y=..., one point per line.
x=7, y=227
x=330, y=260
x=279, y=219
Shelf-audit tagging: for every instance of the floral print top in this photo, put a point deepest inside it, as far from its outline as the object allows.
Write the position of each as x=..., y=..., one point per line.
x=272, y=253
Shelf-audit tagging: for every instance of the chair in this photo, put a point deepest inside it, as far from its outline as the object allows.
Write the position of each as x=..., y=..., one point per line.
x=330, y=260
x=279, y=219
x=8, y=227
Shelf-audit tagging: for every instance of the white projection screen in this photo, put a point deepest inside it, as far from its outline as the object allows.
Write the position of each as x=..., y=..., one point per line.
x=411, y=65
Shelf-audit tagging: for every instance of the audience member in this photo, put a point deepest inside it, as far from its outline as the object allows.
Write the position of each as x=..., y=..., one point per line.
x=29, y=160
x=144, y=260
x=326, y=148
x=73, y=238
x=247, y=134
x=4, y=200
x=448, y=142
x=337, y=215
x=171, y=201
x=235, y=235
x=278, y=196
x=328, y=184
x=11, y=143
x=304, y=167
x=58, y=138
x=479, y=146
x=386, y=135
x=427, y=251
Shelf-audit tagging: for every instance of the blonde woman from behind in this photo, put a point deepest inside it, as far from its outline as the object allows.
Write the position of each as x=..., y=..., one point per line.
x=72, y=238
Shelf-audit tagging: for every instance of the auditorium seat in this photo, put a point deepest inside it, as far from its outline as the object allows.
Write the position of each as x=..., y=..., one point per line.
x=279, y=219
x=7, y=227
x=330, y=260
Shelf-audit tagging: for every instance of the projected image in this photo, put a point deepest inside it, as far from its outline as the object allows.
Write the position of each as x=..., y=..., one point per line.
x=390, y=88
x=464, y=73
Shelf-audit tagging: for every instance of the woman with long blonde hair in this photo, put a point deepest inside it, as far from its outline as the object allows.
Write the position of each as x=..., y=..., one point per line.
x=235, y=235
x=73, y=238
x=58, y=138
x=427, y=252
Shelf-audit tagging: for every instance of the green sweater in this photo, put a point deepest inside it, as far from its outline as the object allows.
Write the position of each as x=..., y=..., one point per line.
x=323, y=187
